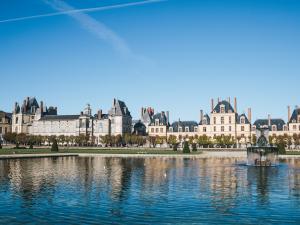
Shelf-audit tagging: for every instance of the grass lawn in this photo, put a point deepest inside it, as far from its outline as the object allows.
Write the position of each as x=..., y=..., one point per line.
x=94, y=151
x=293, y=153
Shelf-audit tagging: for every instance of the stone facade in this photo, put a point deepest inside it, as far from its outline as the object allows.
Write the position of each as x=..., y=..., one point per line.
x=116, y=122
x=5, y=123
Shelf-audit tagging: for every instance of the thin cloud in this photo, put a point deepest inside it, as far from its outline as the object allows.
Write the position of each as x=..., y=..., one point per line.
x=97, y=28
x=73, y=11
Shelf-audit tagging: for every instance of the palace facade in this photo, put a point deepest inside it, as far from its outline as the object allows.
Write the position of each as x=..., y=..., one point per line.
x=35, y=118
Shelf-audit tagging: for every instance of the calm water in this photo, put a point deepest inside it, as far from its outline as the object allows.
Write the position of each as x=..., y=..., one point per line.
x=147, y=191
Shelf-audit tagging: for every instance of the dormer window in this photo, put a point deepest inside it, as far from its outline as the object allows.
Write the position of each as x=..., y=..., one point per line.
x=157, y=122
x=179, y=129
x=187, y=129
x=274, y=128
x=285, y=128
x=195, y=129
x=242, y=120
x=204, y=122
x=171, y=129
x=222, y=109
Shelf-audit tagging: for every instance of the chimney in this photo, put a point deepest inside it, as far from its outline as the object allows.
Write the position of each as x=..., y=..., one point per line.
x=269, y=120
x=81, y=113
x=250, y=115
x=142, y=112
x=235, y=105
x=212, y=104
x=168, y=116
x=114, y=102
x=24, y=106
x=16, y=105
x=99, y=114
x=289, y=114
x=42, y=107
x=201, y=115
x=229, y=100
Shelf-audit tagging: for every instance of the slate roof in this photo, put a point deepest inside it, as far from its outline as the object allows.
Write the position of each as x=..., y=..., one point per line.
x=60, y=117
x=246, y=119
x=294, y=117
x=119, y=109
x=30, y=105
x=207, y=119
x=161, y=117
x=264, y=122
x=184, y=124
x=227, y=105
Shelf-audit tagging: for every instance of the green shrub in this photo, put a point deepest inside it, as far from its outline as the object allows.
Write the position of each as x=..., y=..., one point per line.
x=54, y=147
x=281, y=149
x=194, y=147
x=186, y=147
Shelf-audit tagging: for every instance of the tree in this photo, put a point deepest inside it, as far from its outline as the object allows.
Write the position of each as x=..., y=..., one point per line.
x=172, y=140
x=228, y=140
x=253, y=139
x=152, y=141
x=54, y=147
x=62, y=139
x=127, y=139
x=281, y=144
x=203, y=141
x=118, y=140
x=186, y=147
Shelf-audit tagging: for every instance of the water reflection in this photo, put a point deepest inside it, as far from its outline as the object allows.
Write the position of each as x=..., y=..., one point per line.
x=131, y=190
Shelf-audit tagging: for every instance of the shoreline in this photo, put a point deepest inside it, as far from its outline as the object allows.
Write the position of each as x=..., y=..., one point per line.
x=203, y=155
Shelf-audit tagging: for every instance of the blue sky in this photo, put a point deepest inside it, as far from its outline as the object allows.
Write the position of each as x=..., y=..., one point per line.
x=172, y=55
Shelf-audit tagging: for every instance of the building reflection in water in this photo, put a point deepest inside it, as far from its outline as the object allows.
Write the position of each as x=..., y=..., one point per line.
x=220, y=183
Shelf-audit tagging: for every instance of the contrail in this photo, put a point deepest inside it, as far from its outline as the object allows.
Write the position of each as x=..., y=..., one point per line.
x=74, y=11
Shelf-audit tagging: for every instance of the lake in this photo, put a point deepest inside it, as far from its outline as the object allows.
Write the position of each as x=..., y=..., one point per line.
x=104, y=190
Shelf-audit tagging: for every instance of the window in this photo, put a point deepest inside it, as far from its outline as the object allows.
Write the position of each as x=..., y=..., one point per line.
x=161, y=130
x=285, y=128
x=242, y=120
x=215, y=120
x=222, y=120
x=215, y=129
x=171, y=129
x=204, y=129
x=156, y=130
x=17, y=120
x=222, y=109
x=195, y=129
x=229, y=128
x=294, y=127
x=274, y=128
x=156, y=122
x=152, y=130
x=243, y=135
x=242, y=128
x=204, y=121
x=187, y=129
x=229, y=119
x=179, y=129
x=222, y=128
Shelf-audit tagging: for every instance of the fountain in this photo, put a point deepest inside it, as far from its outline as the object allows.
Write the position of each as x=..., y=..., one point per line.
x=262, y=154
